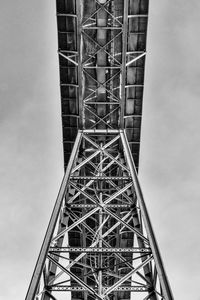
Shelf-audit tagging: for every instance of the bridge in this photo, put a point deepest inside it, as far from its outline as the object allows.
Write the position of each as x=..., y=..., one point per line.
x=99, y=242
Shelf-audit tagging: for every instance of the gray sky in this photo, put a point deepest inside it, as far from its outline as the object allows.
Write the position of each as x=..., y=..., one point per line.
x=31, y=162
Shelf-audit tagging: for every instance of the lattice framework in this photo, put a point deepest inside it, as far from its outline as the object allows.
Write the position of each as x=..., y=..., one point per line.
x=99, y=243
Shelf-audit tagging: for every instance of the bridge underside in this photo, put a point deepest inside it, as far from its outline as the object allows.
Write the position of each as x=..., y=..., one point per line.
x=101, y=79
x=99, y=243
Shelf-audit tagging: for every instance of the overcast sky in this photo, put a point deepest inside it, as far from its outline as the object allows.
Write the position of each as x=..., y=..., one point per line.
x=31, y=161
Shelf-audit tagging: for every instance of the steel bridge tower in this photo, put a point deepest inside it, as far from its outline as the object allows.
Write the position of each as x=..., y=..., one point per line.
x=99, y=243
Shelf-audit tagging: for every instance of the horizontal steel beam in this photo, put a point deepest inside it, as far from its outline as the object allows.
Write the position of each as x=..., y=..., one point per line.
x=65, y=288
x=102, y=27
x=101, y=178
x=101, y=131
x=137, y=16
x=132, y=116
x=67, y=15
x=101, y=67
x=99, y=250
x=100, y=103
x=108, y=205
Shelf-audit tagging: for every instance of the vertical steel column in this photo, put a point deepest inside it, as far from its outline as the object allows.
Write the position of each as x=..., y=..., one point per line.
x=49, y=233
x=153, y=243
x=100, y=224
x=79, y=50
x=123, y=67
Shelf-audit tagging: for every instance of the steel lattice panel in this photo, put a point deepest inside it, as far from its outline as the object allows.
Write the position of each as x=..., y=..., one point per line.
x=79, y=38
x=97, y=246
x=99, y=243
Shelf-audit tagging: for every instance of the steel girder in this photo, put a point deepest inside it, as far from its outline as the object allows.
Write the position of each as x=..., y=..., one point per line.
x=99, y=243
x=102, y=47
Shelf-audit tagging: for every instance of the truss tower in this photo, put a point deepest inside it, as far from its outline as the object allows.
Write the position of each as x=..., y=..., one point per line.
x=99, y=243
